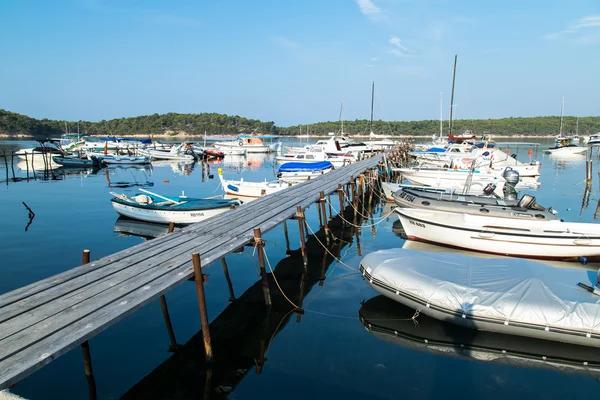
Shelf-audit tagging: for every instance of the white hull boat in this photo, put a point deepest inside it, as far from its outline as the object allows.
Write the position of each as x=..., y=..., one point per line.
x=250, y=189
x=508, y=296
x=568, y=149
x=126, y=160
x=159, y=209
x=249, y=144
x=451, y=179
x=298, y=172
x=477, y=190
x=553, y=240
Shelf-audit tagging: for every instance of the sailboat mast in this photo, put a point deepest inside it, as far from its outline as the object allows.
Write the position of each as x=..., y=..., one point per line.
x=452, y=95
x=562, y=114
x=441, y=114
x=342, y=116
x=372, y=99
x=577, y=127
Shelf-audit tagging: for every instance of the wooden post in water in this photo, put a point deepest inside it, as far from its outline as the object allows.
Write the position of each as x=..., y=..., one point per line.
x=321, y=204
x=12, y=165
x=351, y=189
x=287, y=238
x=261, y=261
x=6, y=168
x=171, y=227
x=27, y=166
x=299, y=311
x=340, y=191
x=85, y=347
x=330, y=209
x=320, y=213
x=229, y=284
x=87, y=368
x=198, y=277
x=165, y=310
x=300, y=218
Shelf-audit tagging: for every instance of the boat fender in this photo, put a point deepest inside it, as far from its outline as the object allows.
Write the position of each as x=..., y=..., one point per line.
x=210, y=176
x=240, y=142
x=234, y=188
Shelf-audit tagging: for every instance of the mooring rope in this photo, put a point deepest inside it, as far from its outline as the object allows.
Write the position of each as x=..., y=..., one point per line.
x=384, y=218
x=327, y=250
x=275, y=279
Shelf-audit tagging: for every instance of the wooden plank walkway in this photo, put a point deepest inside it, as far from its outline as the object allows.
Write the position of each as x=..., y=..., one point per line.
x=44, y=320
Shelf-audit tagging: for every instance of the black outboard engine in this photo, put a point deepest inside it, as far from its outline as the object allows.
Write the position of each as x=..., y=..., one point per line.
x=509, y=192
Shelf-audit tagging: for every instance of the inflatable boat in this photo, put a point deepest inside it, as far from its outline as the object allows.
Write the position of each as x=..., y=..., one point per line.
x=504, y=295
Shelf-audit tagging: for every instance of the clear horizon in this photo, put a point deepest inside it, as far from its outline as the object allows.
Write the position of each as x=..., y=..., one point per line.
x=293, y=62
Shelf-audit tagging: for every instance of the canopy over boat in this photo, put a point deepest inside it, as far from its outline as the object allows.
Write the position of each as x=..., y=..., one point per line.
x=305, y=166
x=503, y=295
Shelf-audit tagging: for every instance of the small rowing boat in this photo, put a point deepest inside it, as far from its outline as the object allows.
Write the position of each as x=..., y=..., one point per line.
x=151, y=207
x=296, y=172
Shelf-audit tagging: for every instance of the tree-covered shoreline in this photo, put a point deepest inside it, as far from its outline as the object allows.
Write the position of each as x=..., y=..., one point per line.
x=14, y=125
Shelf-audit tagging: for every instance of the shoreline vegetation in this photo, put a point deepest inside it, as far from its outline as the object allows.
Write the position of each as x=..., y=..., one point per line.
x=181, y=126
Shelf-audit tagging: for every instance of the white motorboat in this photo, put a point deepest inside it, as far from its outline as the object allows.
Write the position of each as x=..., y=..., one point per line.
x=524, y=208
x=316, y=153
x=182, y=152
x=543, y=239
x=456, y=179
x=390, y=188
x=503, y=295
x=250, y=144
x=594, y=140
x=115, y=159
x=250, y=189
x=297, y=172
x=566, y=149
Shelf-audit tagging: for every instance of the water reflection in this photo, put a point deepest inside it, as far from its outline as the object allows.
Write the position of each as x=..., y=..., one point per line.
x=392, y=322
x=238, y=163
x=242, y=333
x=183, y=168
x=132, y=227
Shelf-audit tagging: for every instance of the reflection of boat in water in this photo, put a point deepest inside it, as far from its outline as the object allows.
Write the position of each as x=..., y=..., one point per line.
x=242, y=333
x=146, y=230
x=178, y=167
x=249, y=161
x=392, y=322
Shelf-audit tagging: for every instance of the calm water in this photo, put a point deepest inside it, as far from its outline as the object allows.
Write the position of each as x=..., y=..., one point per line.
x=327, y=354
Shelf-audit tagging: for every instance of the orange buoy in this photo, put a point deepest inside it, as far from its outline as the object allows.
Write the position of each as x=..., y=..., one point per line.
x=530, y=152
x=166, y=181
x=456, y=167
x=507, y=151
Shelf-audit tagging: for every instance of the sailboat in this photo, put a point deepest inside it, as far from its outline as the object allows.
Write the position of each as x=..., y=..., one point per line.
x=575, y=138
x=378, y=142
x=303, y=136
x=451, y=136
x=371, y=134
x=563, y=147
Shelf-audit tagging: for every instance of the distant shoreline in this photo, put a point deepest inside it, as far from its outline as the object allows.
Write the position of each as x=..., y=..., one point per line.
x=185, y=136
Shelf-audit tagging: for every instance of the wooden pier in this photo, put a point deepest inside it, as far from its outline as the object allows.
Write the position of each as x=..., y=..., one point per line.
x=46, y=319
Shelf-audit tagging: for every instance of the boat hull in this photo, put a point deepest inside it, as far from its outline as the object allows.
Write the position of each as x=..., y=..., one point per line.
x=166, y=216
x=553, y=240
x=251, y=189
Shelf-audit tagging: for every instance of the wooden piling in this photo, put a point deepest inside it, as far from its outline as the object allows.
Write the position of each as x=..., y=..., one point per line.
x=330, y=208
x=87, y=368
x=261, y=261
x=202, y=306
x=340, y=191
x=300, y=218
x=299, y=311
x=321, y=204
x=27, y=165
x=165, y=311
x=171, y=227
x=287, y=238
x=85, y=257
x=12, y=165
x=229, y=284
x=320, y=213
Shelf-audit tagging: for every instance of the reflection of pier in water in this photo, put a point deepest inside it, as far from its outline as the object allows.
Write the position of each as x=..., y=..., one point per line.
x=242, y=333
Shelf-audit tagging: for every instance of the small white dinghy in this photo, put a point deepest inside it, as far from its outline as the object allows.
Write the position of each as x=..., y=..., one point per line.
x=542, y=239
x=251, y=189
x=504, y=295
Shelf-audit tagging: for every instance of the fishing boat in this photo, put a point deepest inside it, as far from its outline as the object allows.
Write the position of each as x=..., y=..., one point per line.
x=294, y=172
x=526, y=207
x=74, y=161
x=389, y=189
x=503, y=295
x=248, y=143
x=151, y=207
x=251, y=189
x=392, y=322
x=528, y=238
x=316, y=153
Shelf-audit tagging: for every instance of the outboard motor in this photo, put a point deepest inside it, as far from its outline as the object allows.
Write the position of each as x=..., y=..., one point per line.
x=511, y=176
x=509, y=192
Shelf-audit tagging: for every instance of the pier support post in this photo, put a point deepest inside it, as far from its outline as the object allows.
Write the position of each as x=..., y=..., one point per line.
x=261, y=261
x=324, y=212
x=27, y=166
x=287, y=238
x=85, y=257
x=165, y=310
x=171, y=227
x=299, y=311
x=320, y=213
x=340, y=191
x=202, y=306
x=330, y=208
x=87, y=368
x=300, y=218
x=229, y=284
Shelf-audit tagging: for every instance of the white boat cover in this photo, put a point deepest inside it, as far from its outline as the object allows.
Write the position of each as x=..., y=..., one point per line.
x=513, y=290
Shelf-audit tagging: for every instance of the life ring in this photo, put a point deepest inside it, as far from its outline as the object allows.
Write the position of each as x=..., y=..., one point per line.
x=240, y=142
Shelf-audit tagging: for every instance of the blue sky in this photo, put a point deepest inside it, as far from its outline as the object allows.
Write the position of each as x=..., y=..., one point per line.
x=292, y=61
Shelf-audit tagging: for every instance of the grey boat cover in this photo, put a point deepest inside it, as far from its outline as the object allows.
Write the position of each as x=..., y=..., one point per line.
x=506, y=289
